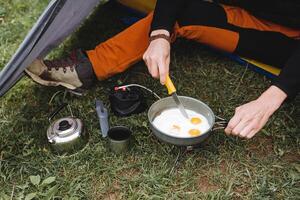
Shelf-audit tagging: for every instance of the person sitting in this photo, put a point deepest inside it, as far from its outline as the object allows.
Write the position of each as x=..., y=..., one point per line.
x=262, y=30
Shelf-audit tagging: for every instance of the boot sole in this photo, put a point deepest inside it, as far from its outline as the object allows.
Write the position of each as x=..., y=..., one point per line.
x=40, y=81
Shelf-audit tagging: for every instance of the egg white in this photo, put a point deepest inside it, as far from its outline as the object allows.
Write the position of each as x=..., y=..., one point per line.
x=168, y=118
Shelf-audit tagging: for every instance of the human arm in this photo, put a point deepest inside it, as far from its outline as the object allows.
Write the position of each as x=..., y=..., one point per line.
x=289, y=77
x=251, y=117
x=165, y=14
x=157, y=55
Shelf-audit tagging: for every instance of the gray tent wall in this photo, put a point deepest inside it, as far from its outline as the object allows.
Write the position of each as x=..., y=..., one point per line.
x=59, y=20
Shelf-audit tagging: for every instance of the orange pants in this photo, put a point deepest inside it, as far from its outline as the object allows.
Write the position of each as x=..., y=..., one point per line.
x=126, y=48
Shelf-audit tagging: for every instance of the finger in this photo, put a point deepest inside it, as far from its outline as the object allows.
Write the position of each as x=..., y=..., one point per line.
x=248, y=129
x=146, y=60
x=162, y=70
x=232, y=124
x=145, y=56
x=147, y=64
x=168, y=64
x=251, y=134
x=239, y=127
x=153, y=69
x=257, y=127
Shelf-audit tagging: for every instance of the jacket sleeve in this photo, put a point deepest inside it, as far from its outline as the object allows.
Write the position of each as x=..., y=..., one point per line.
x=165, y=14
x=289, y=78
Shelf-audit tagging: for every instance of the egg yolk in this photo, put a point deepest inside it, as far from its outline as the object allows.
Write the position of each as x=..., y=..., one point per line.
x=196, y=120
x=194, y=132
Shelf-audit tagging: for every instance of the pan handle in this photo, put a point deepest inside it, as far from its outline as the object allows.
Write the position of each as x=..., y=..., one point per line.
x=220, y=123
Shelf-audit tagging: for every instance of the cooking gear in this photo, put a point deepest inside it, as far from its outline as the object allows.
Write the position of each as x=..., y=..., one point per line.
x=119, y=139
x=127, y=101
x=103, y=117
x=172, y=91
x=66, y=135
x=191, y=104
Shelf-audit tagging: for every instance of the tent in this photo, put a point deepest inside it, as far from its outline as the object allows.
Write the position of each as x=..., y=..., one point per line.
x=59, y=20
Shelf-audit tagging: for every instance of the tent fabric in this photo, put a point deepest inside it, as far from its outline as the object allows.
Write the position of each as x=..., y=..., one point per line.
x=59, y=20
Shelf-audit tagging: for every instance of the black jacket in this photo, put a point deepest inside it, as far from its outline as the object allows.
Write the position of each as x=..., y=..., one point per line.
x=284, y=12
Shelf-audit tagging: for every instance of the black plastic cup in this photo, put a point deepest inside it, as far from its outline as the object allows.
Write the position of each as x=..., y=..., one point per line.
x=119, y=139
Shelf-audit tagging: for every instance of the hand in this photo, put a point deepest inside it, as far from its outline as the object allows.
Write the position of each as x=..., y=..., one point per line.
x=251, y=117
x=157, y=57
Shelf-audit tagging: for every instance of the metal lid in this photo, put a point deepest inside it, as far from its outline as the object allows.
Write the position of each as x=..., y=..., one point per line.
x=64, y=130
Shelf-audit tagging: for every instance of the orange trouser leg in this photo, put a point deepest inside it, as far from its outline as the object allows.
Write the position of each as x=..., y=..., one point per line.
x=121, y=51
x=217, y=38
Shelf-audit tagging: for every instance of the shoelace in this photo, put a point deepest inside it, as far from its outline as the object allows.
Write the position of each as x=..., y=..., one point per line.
x=70, y=62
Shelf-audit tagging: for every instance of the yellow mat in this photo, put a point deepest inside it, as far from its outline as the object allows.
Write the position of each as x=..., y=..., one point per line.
x=268, y=68
x=144, y=6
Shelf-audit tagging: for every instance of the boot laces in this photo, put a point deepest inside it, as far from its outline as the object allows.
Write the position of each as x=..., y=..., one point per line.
x=69, y=62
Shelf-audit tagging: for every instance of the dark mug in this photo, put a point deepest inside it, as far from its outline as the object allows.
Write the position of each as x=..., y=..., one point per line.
x=119, y=139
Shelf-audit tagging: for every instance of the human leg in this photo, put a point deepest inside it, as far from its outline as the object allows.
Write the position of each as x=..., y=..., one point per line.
x=226, y=28
x=73, y=72
x=234, y=30
x=80, y=69
x=121, y=51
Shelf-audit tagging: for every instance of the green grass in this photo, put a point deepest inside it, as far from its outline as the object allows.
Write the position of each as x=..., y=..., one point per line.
x=266, y=167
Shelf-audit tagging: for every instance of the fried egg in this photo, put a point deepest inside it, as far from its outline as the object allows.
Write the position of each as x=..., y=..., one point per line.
x=196, y=120
x=194, y=132
x=173, y=123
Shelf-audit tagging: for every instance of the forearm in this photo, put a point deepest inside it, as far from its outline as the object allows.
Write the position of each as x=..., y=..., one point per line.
x=165, y=14
x=289, y=78
x=273, y=98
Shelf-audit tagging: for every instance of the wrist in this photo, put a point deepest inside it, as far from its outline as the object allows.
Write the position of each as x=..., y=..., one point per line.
x=273, y=96
x=160, y=31
x=160, y=36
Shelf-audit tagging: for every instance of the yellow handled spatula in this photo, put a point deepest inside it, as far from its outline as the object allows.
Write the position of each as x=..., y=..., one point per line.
x=172, y=91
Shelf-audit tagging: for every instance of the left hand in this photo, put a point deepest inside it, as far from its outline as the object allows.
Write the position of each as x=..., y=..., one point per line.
x=251, y=117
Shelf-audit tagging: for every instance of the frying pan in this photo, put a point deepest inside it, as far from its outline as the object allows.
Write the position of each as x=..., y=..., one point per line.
x=190, y=104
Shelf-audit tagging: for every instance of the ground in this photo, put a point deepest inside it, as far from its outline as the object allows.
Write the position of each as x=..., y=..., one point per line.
x=266, y=167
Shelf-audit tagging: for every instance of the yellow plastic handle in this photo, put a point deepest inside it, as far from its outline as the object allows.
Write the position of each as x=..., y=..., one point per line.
x=170, y=86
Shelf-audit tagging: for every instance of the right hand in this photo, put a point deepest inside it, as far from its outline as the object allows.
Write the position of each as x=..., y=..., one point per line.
x=157, y=57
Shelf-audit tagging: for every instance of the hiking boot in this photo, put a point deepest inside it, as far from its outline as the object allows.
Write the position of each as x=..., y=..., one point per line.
x=73, y=72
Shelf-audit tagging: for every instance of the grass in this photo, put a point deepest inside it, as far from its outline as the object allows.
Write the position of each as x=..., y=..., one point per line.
x=266, y=167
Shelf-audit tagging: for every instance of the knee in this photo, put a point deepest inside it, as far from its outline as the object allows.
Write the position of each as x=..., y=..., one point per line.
x=202, y=13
